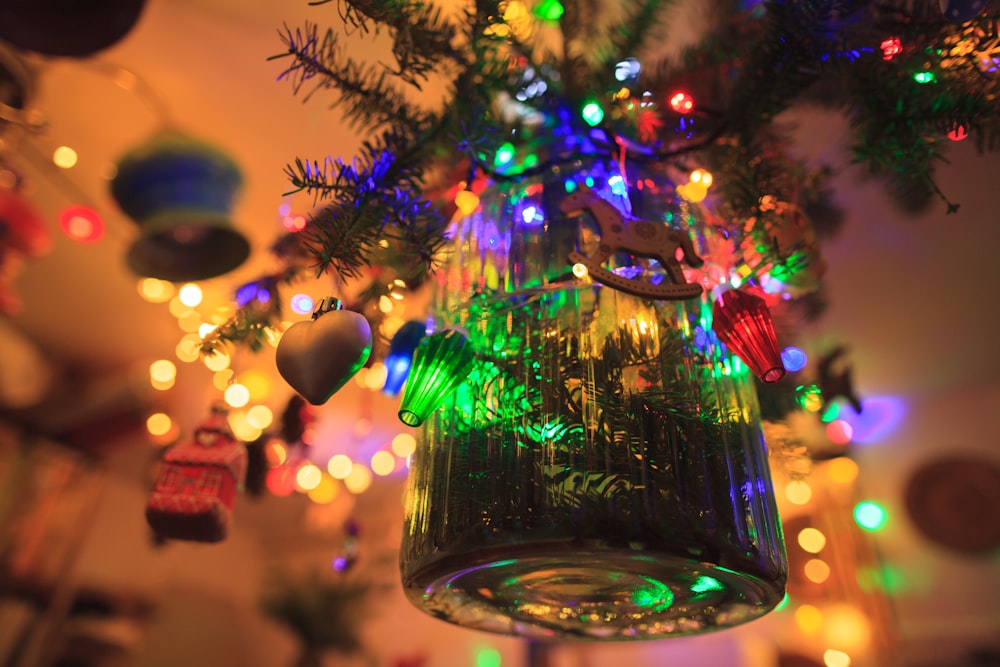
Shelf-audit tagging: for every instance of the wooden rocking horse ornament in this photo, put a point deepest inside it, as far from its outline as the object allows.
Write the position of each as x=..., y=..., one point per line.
x=642, y=238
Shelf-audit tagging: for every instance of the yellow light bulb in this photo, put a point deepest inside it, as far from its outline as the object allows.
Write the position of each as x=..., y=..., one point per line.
x=466, y=201
x=701, y=177
x=190, y=295
x=693, y=192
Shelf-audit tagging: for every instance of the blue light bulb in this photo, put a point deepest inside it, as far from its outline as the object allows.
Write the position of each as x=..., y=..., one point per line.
x=400, y=357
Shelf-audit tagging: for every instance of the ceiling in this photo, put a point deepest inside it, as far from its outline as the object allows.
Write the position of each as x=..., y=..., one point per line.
x=914, y=298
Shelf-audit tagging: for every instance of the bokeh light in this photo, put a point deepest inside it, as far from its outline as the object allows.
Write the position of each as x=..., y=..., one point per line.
x=219, y=361
x=162, y=374
x=794, y=359
x=222, y=379
x=383, y=463
x=154, y=290
x=242, y=428
x=189, y=348
x=260, y=416
x=869, y=515
x=236, y=395
x=257, y=383
x=359, y=479
x=190, y=322
x=302, y=304
x=159, y=423
x=339, y=466
x=798, y=492
x=178, y=308
x=308, y=477
x=835, y=658
x=809, y=619
x=190, y=295
x=280, y=481
x=294, y=223
x=488, y=657
x=842, y=470
x=403, y=445
x=816, y=570
x=592, y=114
x=375, y=377
x=839, y=432
x=325, y=492
x=811, y=540
x=81, y=223
x=847, y=628
x=64, y=157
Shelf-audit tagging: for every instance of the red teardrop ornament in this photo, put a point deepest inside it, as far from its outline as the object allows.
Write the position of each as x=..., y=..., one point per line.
x=743, y=322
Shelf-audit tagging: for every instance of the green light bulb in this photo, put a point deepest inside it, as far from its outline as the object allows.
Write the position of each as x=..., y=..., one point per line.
x=504, y=156
x=924, y=77
x=549, y=10
x=869, y=515
x=488, y=657
x=440, y=363
x=592, y=113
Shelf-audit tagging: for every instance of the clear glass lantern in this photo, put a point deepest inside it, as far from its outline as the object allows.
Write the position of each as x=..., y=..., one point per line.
x=601, y=472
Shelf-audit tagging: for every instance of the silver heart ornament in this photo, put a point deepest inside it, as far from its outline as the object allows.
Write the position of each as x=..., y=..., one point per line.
x=317, y=357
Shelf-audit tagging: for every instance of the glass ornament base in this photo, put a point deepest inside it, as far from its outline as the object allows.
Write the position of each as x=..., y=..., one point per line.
x=589, y=591
x=600, y=472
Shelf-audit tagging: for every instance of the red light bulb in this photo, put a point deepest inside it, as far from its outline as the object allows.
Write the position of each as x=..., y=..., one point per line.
x=958, y=133
x=891, y=47
x=681, y=102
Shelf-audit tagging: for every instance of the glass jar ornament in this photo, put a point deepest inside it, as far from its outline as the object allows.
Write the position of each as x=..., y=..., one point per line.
x=600, y=471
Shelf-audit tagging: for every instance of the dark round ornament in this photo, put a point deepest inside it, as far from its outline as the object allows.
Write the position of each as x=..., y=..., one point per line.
x=952, y=501
x=73, y=28
x=960, y=11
